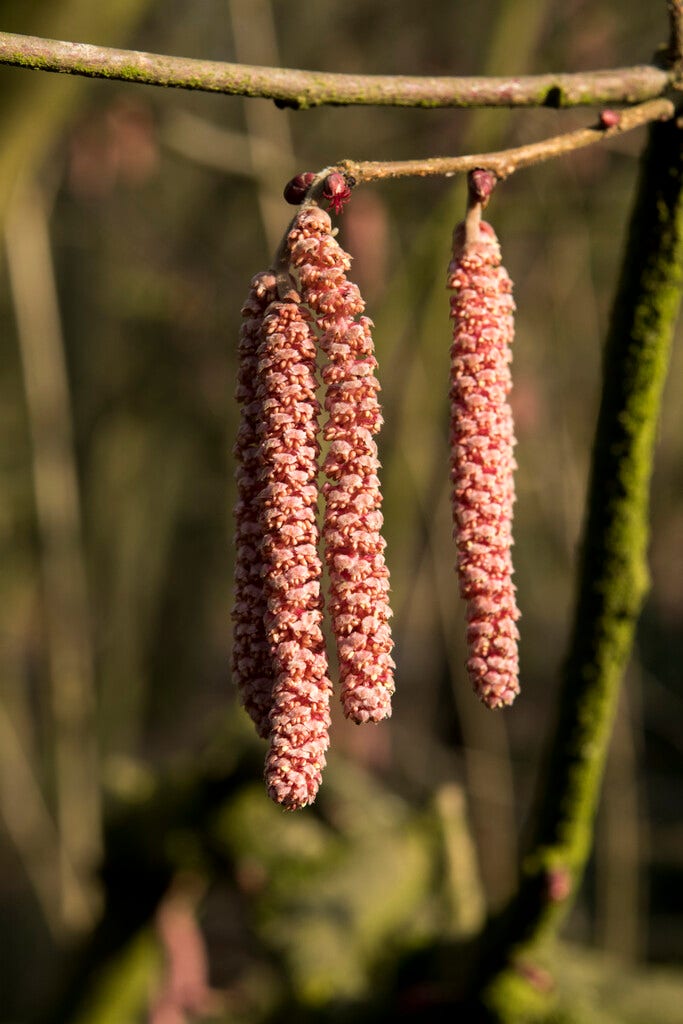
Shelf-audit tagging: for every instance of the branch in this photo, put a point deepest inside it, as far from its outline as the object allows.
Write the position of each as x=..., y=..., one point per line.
x=305, y=89
x=506, y=162
x=613, y=576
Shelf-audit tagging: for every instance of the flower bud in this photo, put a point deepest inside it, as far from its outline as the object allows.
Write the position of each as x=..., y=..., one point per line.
x=610, y=118
x=336, y=191
x=296, y=189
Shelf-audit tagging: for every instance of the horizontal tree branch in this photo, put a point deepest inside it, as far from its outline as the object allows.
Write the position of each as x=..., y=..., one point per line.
x=507, y=161
x=305, y=89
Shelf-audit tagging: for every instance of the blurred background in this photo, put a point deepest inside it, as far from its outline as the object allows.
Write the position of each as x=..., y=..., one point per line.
x=133, y=219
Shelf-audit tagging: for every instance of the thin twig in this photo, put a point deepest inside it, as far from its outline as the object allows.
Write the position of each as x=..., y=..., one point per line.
x=304, y=89
x=506, y=162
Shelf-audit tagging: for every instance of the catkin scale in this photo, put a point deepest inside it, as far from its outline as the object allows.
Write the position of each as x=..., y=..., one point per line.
x=482, y=460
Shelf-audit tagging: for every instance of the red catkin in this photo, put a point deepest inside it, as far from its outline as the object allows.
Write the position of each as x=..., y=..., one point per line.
x=482, y=462
x=299, y=715
x=251, y=662
x=354, y=547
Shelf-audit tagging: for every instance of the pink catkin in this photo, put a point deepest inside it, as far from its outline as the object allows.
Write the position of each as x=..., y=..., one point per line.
x=251, y=661
x=482, y=461
x=299, y=715
x=354, y=547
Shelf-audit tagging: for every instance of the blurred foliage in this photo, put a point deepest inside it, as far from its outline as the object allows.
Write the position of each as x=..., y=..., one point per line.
x=160, y=206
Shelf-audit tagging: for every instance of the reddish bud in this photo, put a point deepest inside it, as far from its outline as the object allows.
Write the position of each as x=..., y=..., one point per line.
x=336, y=191
x=296, y=189
x=610, y=118
x=558, y=884
x=481, y=184
x=537, y=976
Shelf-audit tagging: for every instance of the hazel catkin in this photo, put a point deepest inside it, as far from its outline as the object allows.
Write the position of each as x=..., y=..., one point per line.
x=482, y=461
x=354, y=546
x=299, y=715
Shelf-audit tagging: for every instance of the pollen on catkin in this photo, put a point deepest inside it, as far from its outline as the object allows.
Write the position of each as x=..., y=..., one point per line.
x=354, y=547
x=482, y=461
x=251, y=661
x=299, y=715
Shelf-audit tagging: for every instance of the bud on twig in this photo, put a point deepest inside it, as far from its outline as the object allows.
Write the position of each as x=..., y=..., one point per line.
x=480, y=184
x=609, y=118
x=336, y=191
x=295, y=190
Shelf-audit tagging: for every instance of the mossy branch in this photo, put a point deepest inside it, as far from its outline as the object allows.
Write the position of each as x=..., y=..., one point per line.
x=613, y=576
x=290, y=87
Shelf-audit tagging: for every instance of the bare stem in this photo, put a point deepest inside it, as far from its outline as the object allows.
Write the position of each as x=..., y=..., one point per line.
x=480, y=185
x=303, y=89
x=507, y=161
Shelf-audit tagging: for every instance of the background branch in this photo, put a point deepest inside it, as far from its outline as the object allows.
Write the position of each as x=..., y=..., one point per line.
x=63, y=570
x=303, y=89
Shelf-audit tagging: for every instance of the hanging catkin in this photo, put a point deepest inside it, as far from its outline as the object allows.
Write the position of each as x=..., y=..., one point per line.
x=279, y=657
x=354, y=546
x=482, y=462
x=288, y=427
x=251, y=662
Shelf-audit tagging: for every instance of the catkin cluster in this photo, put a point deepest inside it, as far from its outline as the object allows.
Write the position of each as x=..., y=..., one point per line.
x=279, y=659
x=308, y=307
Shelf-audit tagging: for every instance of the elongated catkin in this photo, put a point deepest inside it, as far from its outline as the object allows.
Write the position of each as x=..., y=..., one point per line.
x=251, y=662
x=482, y=461
x=299, y=715
x=354, y=546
